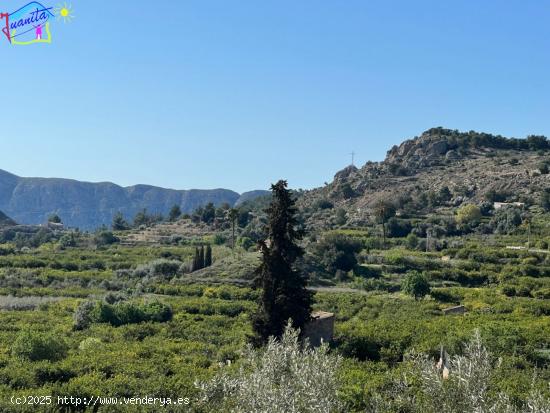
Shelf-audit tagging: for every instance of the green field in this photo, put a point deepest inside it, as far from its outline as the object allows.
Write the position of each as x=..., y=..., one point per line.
x=505, y=292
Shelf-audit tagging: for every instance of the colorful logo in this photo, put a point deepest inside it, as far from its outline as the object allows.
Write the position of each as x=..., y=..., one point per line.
x=31, y=23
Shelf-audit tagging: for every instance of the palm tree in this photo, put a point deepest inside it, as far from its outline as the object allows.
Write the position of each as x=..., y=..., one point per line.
x=232, y=215
x=384, y=210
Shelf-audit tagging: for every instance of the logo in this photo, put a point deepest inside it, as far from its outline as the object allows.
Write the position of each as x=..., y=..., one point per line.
x=31, y=23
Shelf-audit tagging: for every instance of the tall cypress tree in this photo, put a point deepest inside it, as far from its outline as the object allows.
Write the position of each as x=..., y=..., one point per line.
x=208, y=256
x=284, y=294
x=201, y=257
x=196, y=265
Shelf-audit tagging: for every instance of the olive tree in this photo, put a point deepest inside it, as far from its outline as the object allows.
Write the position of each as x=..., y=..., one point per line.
x=284, y=377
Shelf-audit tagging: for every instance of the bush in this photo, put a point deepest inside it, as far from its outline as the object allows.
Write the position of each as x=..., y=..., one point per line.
x=281, y=378
x=166, y=268
x=161, y=267
x=468, y=214
x=35, y=346
x=508, y=291
x=457, y=384
x=68, y=240
x=337, y=252
x=132, y=313
x=120, y=313
x=323, y=204
x=416, y=285
x=398, y=227
x=83, y=316
x=494, y=196
x=340, y=217
x=105, y=238
x=347, y=191
x=506, y=220
x=219, y=239
x=412, y=241
x=246, y=243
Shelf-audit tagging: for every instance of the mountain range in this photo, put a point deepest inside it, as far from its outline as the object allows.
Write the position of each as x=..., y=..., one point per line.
x=87, y=205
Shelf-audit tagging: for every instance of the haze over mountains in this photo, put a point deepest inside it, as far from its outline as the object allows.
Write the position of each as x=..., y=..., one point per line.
x=89, y=205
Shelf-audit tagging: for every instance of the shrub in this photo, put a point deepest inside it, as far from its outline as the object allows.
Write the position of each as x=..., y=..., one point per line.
x=246, y=243
x=412, y=241
x=83, y=316
x=508, y=291
x=132, y=313
x=102, y=238
x=506, y=220
x=494, y=196
x=219, y=239
x=160, y=267
x=166, y=268
x=543, y=294
x=458, y=384
x=468, y=214
x=347, y=191
x=323, y=204
x=340, y=217
x=416, y=285
x=34, y=346
x=68, y=240
x=281, y=378
x=337, y=252
x=398, y=227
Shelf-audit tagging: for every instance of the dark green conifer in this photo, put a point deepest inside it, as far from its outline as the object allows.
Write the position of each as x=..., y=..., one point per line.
x=284, y=294
x=196, y=261
x=208, y=256
x=201, y=257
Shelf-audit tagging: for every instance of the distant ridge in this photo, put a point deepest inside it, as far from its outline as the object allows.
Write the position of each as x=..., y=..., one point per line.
x=89, y=205
x=6, y=221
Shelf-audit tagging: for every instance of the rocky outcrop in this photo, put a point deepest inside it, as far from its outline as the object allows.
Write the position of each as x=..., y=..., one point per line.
x=345, y=173
x=427, y=150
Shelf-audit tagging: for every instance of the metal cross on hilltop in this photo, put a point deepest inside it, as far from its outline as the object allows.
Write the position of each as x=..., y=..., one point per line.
x=352, y=158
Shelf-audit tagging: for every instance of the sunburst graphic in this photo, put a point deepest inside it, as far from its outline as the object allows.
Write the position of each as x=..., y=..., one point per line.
x=65, y=12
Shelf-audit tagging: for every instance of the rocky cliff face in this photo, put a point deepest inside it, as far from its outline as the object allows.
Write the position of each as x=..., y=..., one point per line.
x=429, y=149
x=90, y=205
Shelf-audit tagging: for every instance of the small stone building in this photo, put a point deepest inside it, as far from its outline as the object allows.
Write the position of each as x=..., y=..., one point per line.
x=320, y=328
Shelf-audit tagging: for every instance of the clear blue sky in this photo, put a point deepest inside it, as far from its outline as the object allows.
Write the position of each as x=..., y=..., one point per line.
x=206, y=94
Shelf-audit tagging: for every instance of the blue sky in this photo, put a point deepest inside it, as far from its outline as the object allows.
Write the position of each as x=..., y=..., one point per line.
x=207, y=94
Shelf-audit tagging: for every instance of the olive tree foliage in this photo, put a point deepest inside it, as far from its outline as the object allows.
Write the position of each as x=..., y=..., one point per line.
x=283, y=377
x=468, y=214
x=415, y=285
x=465, y=386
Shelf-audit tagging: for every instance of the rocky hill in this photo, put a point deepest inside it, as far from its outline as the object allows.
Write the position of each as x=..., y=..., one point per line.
x=89, y=205
x=474, y=167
